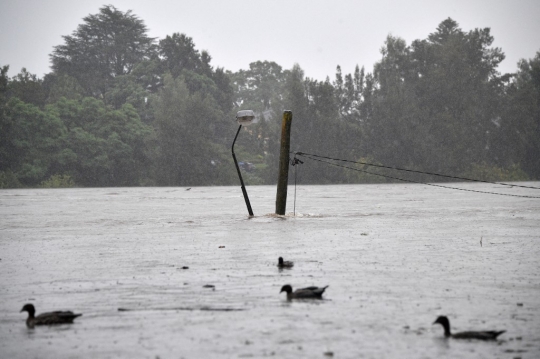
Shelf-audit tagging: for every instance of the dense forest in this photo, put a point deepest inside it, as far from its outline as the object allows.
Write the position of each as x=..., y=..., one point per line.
x=122, y=109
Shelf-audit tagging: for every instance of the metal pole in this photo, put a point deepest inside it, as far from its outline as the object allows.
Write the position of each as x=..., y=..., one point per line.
x=285, y=148
x=244, y=192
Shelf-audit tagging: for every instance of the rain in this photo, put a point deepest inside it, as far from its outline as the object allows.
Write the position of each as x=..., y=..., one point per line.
x=233, y=179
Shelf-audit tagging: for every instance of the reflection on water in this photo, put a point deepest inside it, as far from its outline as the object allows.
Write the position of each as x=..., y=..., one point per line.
x=442, y=342
x=395, y=257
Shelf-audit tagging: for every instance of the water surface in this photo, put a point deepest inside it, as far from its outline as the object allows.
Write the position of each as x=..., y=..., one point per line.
x=394, y=256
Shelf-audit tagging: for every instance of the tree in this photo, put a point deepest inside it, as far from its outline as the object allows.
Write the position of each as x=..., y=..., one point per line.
x=186, y=154
x=58, y=86
x=33, y=141
x=179, y=57
x=517, y=141
x=528, y=82
x=349, y=92
x=456, y=76
x=108, y=44
x=28, y=88
x=261, y=88
x=126, y=90
x=5, y=123
x=434, y=101
x=395, y=135
x=225, y=94
x=103, y=146
x=178, y=53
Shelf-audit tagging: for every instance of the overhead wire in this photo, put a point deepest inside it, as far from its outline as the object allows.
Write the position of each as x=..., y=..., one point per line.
x=414, y=171
x=318, y=158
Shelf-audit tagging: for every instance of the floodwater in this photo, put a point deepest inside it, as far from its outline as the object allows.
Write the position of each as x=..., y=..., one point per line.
x=394, y=256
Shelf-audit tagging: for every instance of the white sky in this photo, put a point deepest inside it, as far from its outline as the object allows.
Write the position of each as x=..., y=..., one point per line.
x=316, y=34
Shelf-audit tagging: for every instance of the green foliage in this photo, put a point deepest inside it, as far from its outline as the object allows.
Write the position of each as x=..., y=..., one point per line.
x=63, y=85
x=349, y=93
x=58, y=181
x=94, y=144
x=320, y=127
x=261, y=88
x=118, y=110
x=28, y=88
x=178, y=53
x=224, y=95
x=183, y=124
x=518, y=138
x=108, y=44
x=107, y=146
x=31, y=140
x=365, y=173
x=5, y=122
x=252, y=179
x=126, y=90
x=485, y=172
x=179, y=57
x=435, y=101
x=8, y=179
x=4, y=80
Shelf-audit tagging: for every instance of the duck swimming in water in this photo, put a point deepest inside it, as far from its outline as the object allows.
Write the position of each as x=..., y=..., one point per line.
x=303, y=293
x=50, y=318
x=284, y=264
x=482, y=335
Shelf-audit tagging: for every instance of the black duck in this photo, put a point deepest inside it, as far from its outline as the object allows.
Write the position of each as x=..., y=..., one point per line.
x=50, y=318
x=284, y=264
x=482, y=335
x=303, y=293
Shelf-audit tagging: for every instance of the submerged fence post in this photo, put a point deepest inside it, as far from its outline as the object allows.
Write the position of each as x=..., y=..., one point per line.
x=285, y=147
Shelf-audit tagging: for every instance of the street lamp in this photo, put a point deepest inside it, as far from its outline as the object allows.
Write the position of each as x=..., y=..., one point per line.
x=244, y=117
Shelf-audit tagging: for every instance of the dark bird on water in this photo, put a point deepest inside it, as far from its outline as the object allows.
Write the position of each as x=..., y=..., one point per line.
x=284, y=264
x=50, y=318
x=482, y=335
x=303, y=293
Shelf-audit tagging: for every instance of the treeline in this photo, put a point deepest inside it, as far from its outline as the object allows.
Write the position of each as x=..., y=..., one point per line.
x=122, y=109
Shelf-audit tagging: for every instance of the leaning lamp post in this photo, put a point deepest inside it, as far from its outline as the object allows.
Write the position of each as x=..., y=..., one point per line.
x=244, y=117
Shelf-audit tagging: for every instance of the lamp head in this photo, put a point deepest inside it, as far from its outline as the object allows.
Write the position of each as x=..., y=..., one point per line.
x=245, y=117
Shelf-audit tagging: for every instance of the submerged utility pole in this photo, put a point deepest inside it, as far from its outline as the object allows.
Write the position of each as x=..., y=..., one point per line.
x=285, y=148
x=244, y=117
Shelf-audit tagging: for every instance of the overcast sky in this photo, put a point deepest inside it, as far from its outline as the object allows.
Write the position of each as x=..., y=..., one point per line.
x=318, y=35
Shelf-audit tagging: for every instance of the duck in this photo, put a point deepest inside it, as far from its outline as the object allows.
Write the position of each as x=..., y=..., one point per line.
x=303, y=293
x=50, y=318
x=482, y=335
x=284, y=264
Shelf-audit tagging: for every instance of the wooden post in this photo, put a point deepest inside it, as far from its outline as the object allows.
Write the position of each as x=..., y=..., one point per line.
x=285, y=148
